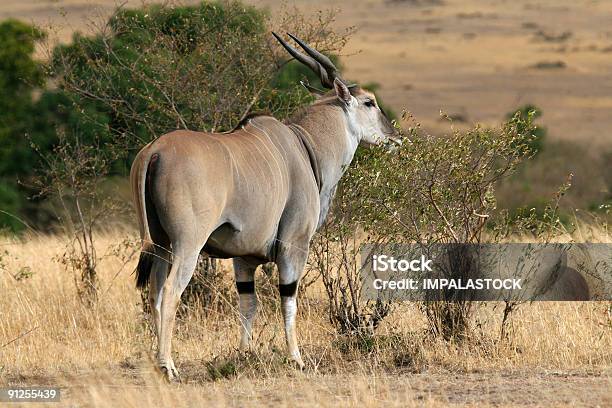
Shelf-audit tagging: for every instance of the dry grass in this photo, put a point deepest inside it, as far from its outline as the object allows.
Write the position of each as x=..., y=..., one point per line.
x=558, y=353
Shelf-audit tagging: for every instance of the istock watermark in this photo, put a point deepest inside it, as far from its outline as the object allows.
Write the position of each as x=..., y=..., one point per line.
x=384, y=263
x=511, y=272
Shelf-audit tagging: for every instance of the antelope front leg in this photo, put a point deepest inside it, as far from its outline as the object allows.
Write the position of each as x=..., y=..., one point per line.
x=289, y=309
x=290, y=270
x=244, y=273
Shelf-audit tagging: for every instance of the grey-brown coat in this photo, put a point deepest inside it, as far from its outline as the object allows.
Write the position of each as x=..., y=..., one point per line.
x=255, y=195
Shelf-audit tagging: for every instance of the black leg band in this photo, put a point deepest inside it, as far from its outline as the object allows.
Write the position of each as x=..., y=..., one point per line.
x=245, y=287
x=288, y=290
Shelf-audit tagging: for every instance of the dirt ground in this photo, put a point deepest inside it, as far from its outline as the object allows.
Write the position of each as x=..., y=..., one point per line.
x=535, y=388
x=475, y=60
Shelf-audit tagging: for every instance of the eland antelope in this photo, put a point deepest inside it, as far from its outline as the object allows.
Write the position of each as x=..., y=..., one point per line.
x=256, y=194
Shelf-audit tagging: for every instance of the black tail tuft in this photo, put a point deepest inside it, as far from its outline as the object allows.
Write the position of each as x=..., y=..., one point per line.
x=143, y=270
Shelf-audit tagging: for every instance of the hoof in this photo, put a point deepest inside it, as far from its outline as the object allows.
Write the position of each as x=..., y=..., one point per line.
x=245, y=348
x=170, y=374
x=298, y=363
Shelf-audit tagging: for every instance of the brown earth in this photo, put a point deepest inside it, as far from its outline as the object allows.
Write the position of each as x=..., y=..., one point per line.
x=126, y=388
x=474, y=60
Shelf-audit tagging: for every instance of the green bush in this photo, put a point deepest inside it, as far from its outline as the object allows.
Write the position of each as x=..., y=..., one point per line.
x=161, y=68
x=20, y=75
x=149, y=71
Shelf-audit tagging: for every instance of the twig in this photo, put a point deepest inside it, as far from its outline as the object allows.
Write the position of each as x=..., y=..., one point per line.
x=28, y=226
x=250, y=105
x=435, y=205
x=118, y=272
x=20, y=336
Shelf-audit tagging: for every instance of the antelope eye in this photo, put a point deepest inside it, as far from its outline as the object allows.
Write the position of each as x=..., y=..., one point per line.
x=369, y=103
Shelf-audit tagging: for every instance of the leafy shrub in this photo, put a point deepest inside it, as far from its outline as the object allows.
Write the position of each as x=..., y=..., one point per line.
x=429, y=190
x=538, y=132
x=20, y=74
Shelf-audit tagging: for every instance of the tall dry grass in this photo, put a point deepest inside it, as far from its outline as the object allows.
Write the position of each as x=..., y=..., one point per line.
x=102, y=355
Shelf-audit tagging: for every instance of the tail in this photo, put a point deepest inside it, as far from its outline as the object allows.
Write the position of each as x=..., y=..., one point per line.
x=142, y=170
x=143, y=269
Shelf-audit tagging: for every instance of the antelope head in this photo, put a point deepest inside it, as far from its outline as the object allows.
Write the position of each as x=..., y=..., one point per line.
x=366, y=120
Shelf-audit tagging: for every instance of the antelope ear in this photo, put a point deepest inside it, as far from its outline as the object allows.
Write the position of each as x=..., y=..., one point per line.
x=342, y=91
x=316, y=92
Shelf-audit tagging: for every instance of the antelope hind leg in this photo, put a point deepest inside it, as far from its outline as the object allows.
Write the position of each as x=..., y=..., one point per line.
x=183, y=266
x=159, y=273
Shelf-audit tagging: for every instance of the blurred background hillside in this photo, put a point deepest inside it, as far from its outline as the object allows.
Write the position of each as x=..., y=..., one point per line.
x=476, y=61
